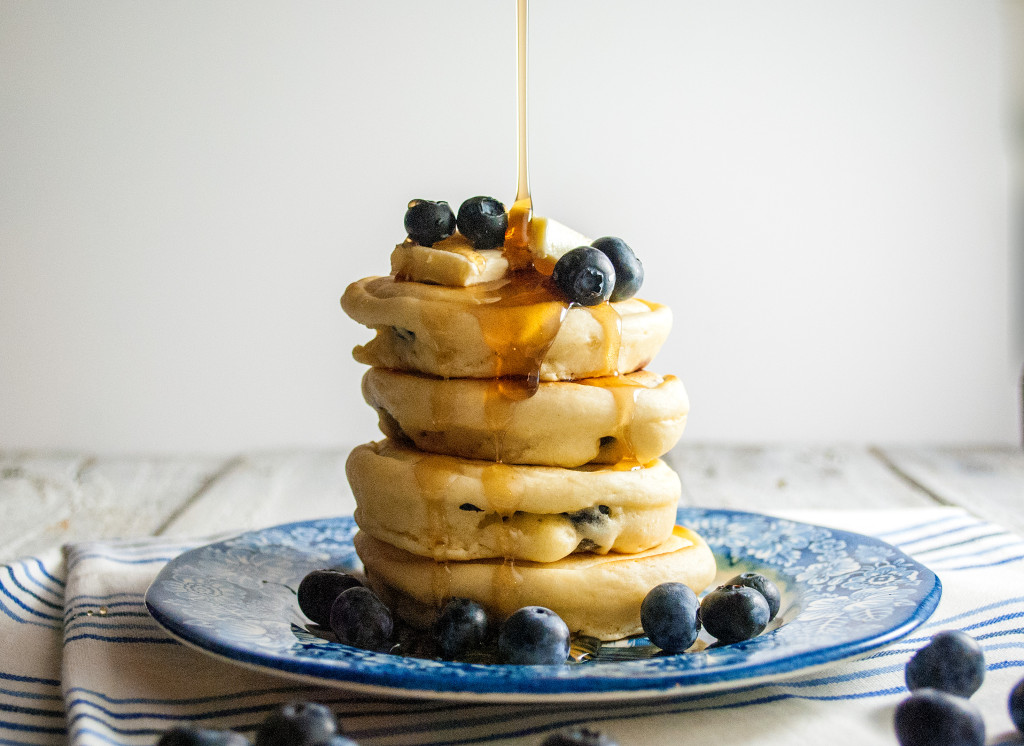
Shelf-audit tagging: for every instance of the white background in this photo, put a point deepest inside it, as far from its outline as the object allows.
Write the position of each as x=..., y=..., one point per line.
x=820, y=189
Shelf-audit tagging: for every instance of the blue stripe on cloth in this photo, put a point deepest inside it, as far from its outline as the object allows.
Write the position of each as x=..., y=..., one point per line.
x=30, y=695
x=34, y=711
x=59, y=582
x=7, y=612
x=974, y=553
x=904, y=544
x=104, y=596
x=105, y=638
x=43, y=585
x=987, y=564
x=973, y=612
x=154, y=627
x=28, y=728
x=72, y=612
x=9, y=742
x=962, y=542
x=29, y=609
x=36, y=596
x=919, y=526
x=187, y=701
x=28, y=679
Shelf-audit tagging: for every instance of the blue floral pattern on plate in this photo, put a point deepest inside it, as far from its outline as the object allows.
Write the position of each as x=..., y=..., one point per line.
x=843, y=595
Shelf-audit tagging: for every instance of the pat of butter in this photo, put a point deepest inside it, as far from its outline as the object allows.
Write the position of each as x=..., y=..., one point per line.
x=452, y=262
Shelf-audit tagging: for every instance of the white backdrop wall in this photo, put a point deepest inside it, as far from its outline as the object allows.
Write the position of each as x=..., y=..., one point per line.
x=821, y=190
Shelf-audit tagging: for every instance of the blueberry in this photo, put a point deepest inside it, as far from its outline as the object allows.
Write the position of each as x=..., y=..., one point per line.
x=951, y=662
x=578, y=736
x=534, y=636
x=669, y=616
x=585, y=275
x=483, y=221
x=1017, y=705
x=319, y=590
x=190, y=736
x=929, y=717
x=361, y=619
x=461, y=627
x=428, y=222
x=297, y=724
x=732, y=613
x=762, y=585
x=629, y=272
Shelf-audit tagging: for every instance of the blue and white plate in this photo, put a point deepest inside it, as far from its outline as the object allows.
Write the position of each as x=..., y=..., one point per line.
x=843, y=595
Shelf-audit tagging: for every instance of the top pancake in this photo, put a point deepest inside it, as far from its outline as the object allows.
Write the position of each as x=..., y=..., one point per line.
x=519, y=325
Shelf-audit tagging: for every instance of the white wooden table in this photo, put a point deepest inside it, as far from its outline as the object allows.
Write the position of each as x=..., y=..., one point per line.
x=50, y=498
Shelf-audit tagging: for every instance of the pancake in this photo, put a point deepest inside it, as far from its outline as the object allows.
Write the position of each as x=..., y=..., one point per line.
x=638, y=416
x=450, y=508
x=596, y=595
x=519, y=325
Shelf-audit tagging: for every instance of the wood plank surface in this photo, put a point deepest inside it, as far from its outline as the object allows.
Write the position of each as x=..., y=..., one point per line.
x=987, y=481
x=784, y=477
x=262, y=490
x=47, y=500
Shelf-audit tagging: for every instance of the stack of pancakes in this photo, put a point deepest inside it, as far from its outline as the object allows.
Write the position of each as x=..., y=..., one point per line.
x=522, y=460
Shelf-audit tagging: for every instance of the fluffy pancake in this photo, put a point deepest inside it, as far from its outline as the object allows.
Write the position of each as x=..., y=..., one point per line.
x=450, y=508
x=516, y=326
x=638, y=416
x=596, y=595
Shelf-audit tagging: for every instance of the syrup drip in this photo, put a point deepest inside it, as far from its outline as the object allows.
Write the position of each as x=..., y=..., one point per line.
x=626, y=390
x=433, y=482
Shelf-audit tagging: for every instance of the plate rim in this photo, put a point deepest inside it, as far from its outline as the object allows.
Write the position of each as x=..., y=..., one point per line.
x=548, y=684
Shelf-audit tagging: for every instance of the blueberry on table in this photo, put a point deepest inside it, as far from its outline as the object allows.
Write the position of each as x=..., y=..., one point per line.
x=578, y=736
x=428, y=222
x=952, y=662
x=534, y=636
x=320, y=589
x=762, y=585
x=460, y=628
x=361, y=619
x=733, y=613
x=585, y=275
x=483, y=220
x=297, y=724
x=629, y=272
x=191, y=736
x=669, y=616
x=1017, y=705
x=929, y=717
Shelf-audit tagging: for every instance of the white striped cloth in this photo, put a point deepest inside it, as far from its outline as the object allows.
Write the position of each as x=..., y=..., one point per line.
x=81, y=661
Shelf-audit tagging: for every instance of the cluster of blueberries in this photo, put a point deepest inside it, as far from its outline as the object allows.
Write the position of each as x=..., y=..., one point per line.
x=941, y=678
x=671, y=616
x=607, y=270
x=313, y=724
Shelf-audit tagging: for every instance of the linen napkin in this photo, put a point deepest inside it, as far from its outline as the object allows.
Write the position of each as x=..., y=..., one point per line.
x=82, y=662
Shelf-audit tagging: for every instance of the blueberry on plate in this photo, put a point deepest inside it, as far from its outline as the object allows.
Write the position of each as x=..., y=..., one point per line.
x=297, y=724
x=733, y=613
x=1017, y=705
x=951, y=662
x=186, y=735
x=585, y=275
x=629, y=272
x=320, y=589
x=762, y=585
x=669, y=616
x=534, y=636
x=483, y=220
x=361, y=619
x=929, y=717
x=460, y=628
x=428, y=222
x=578, y=735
